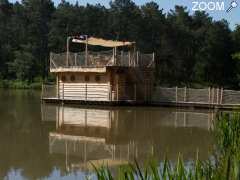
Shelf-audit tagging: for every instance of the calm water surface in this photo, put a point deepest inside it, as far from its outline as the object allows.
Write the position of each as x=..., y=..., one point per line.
x=58, y=142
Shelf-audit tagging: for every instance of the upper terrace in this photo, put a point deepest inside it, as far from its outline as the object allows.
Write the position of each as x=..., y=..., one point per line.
x=92, y=60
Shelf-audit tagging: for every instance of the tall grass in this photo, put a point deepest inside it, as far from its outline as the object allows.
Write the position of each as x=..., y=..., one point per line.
x=225, y=165
x=154, y=171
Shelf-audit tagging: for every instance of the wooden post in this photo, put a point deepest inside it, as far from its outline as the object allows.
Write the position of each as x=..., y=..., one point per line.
x=42, y=92
x=75, y=59
x=86, y=91
x=217, y=95
x=135, y=92
x=185, y=94
x=67, y=59
x=109, y=92
x=63, y=91
x=113, y=56
x=137, y=58
x=213, y=94
x=209, y=95
x=129, y=58
x=58, y=88
x=153, y=60
x=176, y=94
x=221, y=96
x=121, y=61
x=86, y=51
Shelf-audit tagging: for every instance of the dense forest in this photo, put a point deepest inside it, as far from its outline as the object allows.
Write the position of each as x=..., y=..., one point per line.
x=191, y=49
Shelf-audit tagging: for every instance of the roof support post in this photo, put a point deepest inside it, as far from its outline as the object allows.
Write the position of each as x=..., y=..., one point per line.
x=86, y=51
x=115, y=55
x=67, y=58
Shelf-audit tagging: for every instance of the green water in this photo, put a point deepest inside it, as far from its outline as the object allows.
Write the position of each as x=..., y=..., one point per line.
x=40, y=141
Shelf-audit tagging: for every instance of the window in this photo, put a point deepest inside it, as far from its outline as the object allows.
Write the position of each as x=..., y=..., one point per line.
x=87, y=78
x=72, y=78
x=63, y=78
x=97, y=78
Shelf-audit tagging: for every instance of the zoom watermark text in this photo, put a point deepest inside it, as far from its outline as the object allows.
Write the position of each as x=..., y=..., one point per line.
x=208, y=6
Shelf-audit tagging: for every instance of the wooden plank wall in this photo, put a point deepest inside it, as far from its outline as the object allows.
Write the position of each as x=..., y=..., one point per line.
x=84, y=91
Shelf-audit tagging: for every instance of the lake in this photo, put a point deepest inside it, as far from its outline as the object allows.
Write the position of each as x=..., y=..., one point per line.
x=46, y=141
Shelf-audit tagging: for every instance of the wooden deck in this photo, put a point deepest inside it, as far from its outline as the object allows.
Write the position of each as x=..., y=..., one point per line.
x=208, y=98
x=139, y=103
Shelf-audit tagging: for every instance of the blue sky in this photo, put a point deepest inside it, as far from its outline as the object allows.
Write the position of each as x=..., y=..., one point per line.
x=233, y=17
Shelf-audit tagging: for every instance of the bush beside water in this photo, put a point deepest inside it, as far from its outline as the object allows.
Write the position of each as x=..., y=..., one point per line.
x=224, y=162
x=20, y=84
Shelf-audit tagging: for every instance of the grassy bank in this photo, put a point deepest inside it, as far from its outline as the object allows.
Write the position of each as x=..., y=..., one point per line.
x=16, y=84
x=224, y=164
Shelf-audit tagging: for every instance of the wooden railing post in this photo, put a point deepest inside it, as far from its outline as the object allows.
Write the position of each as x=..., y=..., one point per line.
x=221, y=96
x=58, y=88
x=137, y=58
x=129, y=58
x=121, y=62
x=185, y=94
x=63, y=91
x=67, y=57
x=42, y=93
x=176, y=94
x=109, y=92
x=217, y=95
x=75, y=59
x=86, y=91
x=153, y=59
x=213, y=95
x=113, y=56
x=209, y=95
x=86, y=51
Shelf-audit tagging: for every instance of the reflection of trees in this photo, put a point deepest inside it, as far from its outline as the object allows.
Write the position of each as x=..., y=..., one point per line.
x=23, y=140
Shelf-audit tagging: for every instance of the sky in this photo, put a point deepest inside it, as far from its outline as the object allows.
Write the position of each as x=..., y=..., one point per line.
x=233, y=17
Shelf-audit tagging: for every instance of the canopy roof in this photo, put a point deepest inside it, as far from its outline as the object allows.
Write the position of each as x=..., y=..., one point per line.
x=102, y=42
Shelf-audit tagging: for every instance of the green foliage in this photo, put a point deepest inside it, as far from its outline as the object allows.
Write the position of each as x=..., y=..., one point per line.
x=17, y=84
x=153, y=171
x=22, y=65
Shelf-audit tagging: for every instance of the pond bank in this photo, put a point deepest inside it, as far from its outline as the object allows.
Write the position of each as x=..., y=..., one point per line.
x=17, y=84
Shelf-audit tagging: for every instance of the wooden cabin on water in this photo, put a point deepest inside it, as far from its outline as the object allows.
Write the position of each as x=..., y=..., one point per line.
x=107, y=76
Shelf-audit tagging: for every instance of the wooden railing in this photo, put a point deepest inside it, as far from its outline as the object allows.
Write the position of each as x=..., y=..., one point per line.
x=217, y=96
x=101, y=59
x=136, y=92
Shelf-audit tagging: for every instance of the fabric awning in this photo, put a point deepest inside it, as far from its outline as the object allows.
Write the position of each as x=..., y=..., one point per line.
x=102, y=42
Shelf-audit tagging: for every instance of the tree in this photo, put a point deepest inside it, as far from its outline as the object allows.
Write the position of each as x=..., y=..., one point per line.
x=23, y=65
x=124, y=20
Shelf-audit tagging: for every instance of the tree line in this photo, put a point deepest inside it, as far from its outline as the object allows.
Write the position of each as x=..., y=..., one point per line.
x=191, y=49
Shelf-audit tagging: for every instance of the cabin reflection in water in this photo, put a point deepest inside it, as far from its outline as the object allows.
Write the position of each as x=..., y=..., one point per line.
x=118, y=135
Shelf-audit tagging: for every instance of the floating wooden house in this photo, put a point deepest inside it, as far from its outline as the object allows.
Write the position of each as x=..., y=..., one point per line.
x=114, y=75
